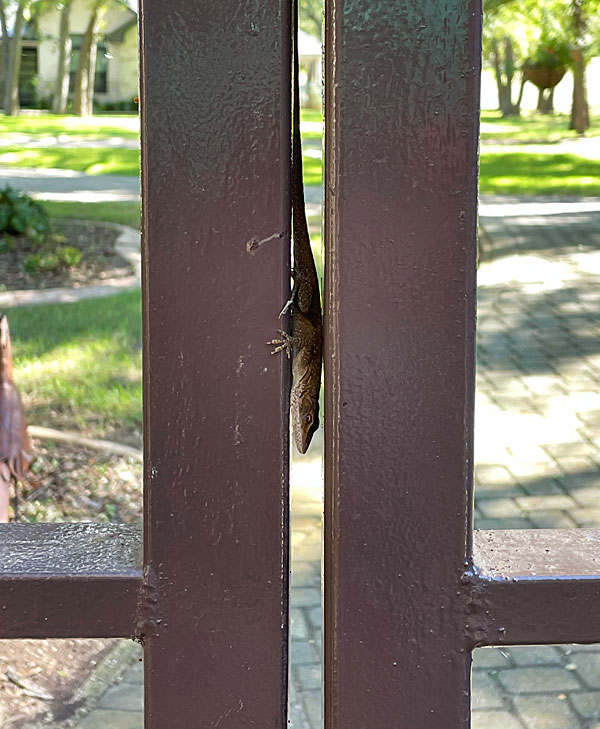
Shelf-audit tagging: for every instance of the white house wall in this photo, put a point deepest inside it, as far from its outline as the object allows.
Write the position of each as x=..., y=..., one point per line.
x=122, y=82
x=123, y=67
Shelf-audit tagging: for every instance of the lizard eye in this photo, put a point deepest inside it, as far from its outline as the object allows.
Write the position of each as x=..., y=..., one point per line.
x=308, y=418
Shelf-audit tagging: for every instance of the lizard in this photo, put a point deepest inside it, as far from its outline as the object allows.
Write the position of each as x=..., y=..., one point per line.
x=305, y=344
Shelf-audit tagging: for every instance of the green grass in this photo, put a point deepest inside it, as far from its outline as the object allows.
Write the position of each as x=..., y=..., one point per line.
x=530, y=128
x=93, y=127
x=125, y=213
x=92, y=160
x=530, y=173
x=78, y=365
x=311, y=115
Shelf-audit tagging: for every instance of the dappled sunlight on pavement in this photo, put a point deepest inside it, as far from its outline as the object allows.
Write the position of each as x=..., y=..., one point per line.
x=306, y=483
x=537, y=432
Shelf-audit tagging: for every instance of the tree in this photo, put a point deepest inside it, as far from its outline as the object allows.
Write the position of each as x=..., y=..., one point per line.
x=61, y=87
x=506, y=33
x=502, y=55
x=83, y=93
x=577, y=22
x=11, y=51
x=310, y=14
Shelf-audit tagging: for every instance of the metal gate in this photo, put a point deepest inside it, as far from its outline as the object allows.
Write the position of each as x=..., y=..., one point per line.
x=409, y=592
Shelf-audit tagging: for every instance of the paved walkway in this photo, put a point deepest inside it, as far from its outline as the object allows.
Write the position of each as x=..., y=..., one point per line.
x=537, y=432
x=71, y=186
x=537, y=464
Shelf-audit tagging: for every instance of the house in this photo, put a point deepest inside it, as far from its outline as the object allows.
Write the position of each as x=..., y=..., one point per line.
x=116, y=63
x=117, y=59
x=310, y=54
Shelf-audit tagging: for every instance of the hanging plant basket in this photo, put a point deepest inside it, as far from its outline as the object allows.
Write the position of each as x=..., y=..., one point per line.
x=544, y=77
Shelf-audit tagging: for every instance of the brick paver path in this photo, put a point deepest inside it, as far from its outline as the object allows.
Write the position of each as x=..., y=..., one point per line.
x=537, y=463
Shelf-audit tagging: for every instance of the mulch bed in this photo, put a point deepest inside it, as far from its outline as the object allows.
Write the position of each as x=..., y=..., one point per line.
x=72, y=484
x=99, y=260
x=78, y=484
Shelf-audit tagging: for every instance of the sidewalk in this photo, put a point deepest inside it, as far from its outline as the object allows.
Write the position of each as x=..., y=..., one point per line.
x=537, y=432
x=71, y=186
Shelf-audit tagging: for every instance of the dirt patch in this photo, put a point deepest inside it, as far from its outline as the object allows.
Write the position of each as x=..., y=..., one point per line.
x=52, y=667
x=73, y=484
x=99, y=260
x=77, y=484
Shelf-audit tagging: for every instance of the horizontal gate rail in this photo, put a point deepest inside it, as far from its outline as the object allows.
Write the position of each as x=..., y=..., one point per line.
x=70, y=580
x=535, y=587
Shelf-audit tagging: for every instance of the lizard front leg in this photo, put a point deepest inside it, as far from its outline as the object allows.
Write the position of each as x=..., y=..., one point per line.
x=293, y=296
x=286, y=342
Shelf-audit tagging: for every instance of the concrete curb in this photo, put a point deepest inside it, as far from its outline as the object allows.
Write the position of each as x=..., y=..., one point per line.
x=127, y=245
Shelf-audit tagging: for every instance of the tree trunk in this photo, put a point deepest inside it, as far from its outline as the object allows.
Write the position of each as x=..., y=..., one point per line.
x=5, y=39
x=83, y=96
x=504, y=69
x=497, y=72
x=61, y=87
x=579, y=109
x=540, y=101
x=13, y=67
x=580, y=115
x=545, y=104
x=517, y=106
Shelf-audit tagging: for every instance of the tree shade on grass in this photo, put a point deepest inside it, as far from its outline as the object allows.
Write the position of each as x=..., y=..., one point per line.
x=78, y=365
x=91, y=160
x=125, y=213
x=530, y=128
x=98, y=127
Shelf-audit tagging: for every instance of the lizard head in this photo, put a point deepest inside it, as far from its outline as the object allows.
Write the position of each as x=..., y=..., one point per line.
x=305, y=420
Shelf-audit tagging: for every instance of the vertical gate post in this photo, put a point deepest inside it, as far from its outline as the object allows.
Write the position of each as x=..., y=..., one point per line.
x=215, y=161
x=402, y=87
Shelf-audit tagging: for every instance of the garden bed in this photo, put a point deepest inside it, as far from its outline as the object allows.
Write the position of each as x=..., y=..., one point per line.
x=78, y=484
x=99, y=260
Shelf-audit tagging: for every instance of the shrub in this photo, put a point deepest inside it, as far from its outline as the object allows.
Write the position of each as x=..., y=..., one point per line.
x=25, y=222
x=69, y=255
x=22, y=215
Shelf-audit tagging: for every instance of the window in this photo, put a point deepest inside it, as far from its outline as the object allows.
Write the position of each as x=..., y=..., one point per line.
x=100, y=80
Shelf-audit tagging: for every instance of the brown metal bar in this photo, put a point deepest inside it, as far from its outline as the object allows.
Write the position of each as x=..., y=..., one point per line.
x=69, y=580
x=402, y=84
x=535, y=586
x=215, y=161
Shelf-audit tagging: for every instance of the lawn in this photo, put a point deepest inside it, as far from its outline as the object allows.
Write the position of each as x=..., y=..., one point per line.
x=530, y=172
x=78, y=365
x=91, y=160
x=125, y=213
x=530, y=128
x=85, y=128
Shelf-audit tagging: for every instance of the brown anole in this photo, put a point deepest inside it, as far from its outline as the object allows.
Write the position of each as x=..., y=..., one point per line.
x=305, y=344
